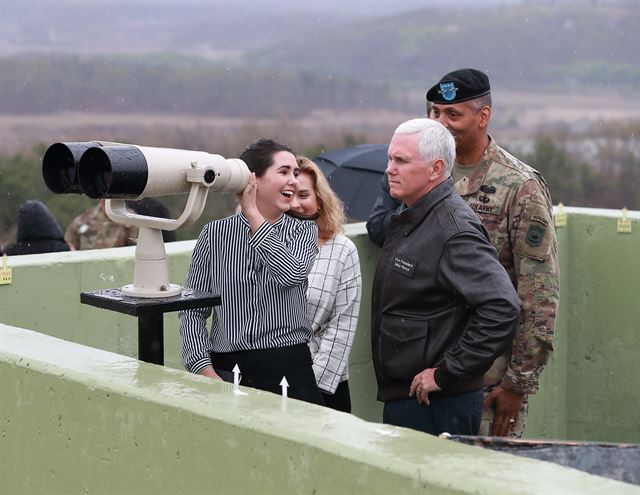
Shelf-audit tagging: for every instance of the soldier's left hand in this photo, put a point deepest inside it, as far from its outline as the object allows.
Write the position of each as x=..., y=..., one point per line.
x=507, y=409
x=423, y=384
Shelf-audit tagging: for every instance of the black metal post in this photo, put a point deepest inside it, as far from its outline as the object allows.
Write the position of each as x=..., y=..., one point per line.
x=151, y=337
x=150, y=313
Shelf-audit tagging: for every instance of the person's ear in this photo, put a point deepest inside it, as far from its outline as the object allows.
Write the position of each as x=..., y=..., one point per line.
x=485, y=115
x=438, y=169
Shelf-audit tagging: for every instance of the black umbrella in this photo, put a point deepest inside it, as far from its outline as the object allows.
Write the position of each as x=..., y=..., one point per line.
x=354, y=174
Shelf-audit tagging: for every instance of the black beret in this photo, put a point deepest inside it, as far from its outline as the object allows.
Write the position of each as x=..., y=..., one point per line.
x=460, y=85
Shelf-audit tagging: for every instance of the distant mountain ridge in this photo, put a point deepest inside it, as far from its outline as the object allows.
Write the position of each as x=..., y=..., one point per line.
x=526, y=42
x=217, y=29
x=289, y=63
x=531, y=44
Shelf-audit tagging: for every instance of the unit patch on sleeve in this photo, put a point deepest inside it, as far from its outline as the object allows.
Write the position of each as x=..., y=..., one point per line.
x=534, y=238
x=535, y=234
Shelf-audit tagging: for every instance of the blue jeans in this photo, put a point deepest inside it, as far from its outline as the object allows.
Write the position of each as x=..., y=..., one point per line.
x=456, y=414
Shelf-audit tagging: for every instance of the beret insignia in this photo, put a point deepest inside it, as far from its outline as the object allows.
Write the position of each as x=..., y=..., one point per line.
x=448, y=90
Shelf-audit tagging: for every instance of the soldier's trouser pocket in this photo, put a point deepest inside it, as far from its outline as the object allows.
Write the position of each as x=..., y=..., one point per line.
x=403, y=346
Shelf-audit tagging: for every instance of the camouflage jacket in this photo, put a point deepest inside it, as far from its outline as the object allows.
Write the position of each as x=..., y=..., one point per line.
x=513, y=202
x=93, y=229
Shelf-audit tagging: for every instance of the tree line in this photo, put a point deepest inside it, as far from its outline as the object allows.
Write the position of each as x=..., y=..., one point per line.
x=174, y=84
x=608, y=176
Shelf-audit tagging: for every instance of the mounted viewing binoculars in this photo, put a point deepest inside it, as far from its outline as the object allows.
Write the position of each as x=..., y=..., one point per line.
x=113, y=170
x=116, y=171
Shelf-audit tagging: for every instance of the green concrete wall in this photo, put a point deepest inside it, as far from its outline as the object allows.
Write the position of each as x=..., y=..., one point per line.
x=75, y=419
x=603, y=330
x=587, y=391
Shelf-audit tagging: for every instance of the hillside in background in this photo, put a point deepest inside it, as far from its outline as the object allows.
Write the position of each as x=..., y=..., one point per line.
x=215, y=29
x=291, y=63
x=32, y=84
x=527, y=45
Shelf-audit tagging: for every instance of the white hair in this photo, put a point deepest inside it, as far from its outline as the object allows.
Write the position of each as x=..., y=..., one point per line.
x=435, y=141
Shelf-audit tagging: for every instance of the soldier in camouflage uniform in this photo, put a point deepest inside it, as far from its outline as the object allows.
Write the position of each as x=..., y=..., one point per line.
x=514, y=204
x=93, y=229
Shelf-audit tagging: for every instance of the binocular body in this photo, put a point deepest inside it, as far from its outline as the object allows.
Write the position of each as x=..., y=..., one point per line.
x=102, y=169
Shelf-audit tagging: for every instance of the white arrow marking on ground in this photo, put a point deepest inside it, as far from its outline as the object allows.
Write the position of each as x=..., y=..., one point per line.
x=285, y=385
x=236, y=376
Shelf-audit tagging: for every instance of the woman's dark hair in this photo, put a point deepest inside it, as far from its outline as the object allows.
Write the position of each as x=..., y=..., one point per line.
x=259, y=155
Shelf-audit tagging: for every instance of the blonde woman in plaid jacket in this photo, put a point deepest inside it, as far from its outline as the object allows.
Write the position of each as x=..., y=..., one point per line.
x=335, y=285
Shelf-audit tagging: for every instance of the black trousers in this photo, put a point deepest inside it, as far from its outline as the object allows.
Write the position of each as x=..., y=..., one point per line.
x=340, y=400
x=264, y=369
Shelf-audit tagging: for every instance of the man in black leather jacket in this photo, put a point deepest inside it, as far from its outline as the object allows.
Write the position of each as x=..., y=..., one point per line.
x=443, y=308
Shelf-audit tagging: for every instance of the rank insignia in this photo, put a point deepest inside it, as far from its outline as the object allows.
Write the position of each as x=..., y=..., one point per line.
x=487, y=189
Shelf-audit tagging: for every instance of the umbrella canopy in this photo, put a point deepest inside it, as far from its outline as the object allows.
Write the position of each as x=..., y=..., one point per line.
x=354, y=174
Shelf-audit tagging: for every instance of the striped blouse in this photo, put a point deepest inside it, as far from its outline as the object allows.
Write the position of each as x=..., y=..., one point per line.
x=261, y=279
x=335, y=286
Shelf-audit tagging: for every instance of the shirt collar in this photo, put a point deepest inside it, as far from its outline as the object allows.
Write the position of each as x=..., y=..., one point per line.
x=413, y=215
x=472, y=182
x=244, y=220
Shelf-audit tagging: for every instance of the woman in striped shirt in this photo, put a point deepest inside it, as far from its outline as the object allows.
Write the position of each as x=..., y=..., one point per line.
x=258, y=261
x=335, y=285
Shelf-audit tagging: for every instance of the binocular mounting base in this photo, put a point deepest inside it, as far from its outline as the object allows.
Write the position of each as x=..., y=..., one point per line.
x=168, y=290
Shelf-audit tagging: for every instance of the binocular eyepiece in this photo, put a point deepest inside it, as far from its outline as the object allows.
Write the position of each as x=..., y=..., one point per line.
x=114, y=170
x=60, y=166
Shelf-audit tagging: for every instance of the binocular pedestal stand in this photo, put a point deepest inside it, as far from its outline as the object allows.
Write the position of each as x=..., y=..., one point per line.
x=150, y=313
x=151, y=294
